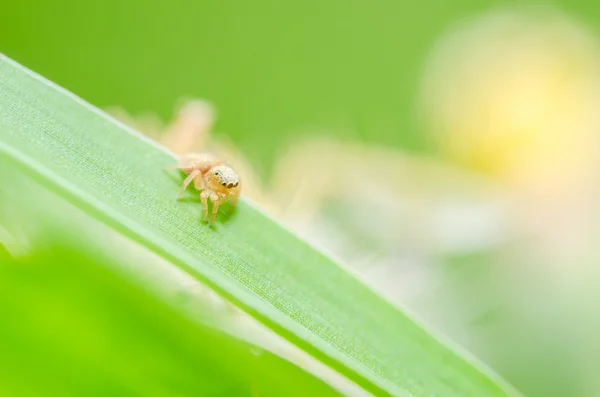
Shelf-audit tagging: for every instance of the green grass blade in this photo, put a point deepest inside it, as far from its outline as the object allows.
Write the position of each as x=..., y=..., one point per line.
x=117, y=176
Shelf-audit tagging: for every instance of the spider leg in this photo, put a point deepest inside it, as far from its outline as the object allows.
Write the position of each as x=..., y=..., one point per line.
x=216, y=203
x=180, y=165
x=204, y=198
x=235, y=196
x=187, y=181
x=185, y=163
x=199, y=182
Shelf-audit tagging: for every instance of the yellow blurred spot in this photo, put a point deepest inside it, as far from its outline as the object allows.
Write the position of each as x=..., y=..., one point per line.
x=514, y=94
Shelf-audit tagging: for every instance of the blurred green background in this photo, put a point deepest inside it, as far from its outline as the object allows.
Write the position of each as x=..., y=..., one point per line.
x=273, y=69
x=103, y=336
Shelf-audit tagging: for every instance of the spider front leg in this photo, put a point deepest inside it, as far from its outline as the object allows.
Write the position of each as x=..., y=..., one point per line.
x=192, y=176
x=204, y=199
x=217, y=200
x=199, y=182
x=235, y=196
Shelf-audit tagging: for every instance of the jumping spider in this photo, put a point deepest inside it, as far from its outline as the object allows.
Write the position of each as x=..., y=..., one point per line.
x=216, y=180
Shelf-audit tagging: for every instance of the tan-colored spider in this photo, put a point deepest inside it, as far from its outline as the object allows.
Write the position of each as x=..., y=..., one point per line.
x=217, y=181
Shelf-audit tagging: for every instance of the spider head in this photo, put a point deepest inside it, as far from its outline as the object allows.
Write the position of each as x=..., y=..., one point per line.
x=222, y=178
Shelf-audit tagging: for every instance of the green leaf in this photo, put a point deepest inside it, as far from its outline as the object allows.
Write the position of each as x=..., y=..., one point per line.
x=118, y=177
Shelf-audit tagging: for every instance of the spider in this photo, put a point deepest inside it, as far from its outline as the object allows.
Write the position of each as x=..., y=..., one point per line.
x=217, y=181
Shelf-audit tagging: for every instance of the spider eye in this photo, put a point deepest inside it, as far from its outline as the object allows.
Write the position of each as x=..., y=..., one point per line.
x=235, y=184
x=224, y=184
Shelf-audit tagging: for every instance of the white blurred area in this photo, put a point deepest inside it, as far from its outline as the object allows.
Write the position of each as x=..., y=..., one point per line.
x=514, y=95
x=494, y=240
